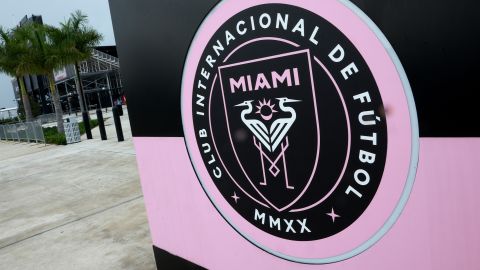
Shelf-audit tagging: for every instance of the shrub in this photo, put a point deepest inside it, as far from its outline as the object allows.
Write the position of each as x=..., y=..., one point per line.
x=53, y=137
x=81, y=126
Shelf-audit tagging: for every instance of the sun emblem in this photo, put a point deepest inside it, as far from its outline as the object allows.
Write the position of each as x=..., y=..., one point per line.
x=265, y=109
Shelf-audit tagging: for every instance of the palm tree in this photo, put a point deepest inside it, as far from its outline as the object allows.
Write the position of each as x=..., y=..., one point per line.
x=77, y=40
x=43, y=57
x=12, y=62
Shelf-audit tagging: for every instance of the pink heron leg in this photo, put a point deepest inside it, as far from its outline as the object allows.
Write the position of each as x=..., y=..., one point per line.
x=260, y=149
x=284, y=147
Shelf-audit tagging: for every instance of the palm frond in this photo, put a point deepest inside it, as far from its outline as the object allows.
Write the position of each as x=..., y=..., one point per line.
x=38, y=49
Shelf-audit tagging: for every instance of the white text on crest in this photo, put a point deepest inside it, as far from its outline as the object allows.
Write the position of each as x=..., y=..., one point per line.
x=286, y=78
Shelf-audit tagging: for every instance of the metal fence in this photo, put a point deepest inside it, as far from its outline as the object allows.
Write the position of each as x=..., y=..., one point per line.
x=46, y=118
x=26, y=132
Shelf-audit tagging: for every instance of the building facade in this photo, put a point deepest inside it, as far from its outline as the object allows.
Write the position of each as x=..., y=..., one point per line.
x=100, y=78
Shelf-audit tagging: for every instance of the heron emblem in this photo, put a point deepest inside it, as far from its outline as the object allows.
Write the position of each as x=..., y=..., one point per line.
x=271, y=126
x=270, y=138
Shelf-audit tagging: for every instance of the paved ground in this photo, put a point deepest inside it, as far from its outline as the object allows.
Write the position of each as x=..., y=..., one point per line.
x=73, y=207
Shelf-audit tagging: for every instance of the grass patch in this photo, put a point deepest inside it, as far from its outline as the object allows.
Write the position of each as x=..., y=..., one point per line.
x=81, y=126
x=53, y=137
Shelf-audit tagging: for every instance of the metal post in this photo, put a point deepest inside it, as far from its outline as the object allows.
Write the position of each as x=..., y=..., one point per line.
x=34, y=131
x=86, y=118
x=86, y=123
x=69, y=105
x=119, y=79
x=68, y=98
x=120, y=109
x=109, y=89
x=99, y=101
x=88, y=102
x=118, y=124
x=16, y=131
x=101, y=124
x=12, y=134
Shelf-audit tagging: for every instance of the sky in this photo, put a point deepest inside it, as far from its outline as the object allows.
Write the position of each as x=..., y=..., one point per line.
x=53, y=12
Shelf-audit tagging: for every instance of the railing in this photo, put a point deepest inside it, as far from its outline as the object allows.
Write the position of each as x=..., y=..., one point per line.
x=46, y=118
x=26, y=132
x=105, y=58
x=98, y=62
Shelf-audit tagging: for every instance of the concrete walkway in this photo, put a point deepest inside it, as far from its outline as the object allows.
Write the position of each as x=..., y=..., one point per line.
x=73, y=207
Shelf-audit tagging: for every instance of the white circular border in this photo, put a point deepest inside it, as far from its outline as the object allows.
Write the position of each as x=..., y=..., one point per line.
x=413, y=158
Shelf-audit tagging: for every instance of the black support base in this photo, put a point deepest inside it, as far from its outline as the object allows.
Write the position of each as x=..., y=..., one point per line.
x=166, y=260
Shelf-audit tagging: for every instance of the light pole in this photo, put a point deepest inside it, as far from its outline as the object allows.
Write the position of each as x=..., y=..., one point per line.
x=69, y=97
x=109, y=89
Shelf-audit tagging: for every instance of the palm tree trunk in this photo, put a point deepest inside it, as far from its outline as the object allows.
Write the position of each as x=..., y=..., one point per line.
x=79, y=87
x=81, y=100
x=25, y=100
x=56, y=103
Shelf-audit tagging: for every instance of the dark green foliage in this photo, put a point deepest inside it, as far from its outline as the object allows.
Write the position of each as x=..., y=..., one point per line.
x=74, y=38
x=53, y=137
x=93, y=123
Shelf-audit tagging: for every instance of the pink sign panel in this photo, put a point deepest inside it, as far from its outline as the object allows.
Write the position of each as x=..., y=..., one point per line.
x=438, y=228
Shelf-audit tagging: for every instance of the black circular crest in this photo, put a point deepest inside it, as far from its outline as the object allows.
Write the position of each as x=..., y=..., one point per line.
x=290, y=122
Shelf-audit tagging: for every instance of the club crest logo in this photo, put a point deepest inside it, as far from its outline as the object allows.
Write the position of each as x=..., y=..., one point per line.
x=264, y=113
x=300, y=126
